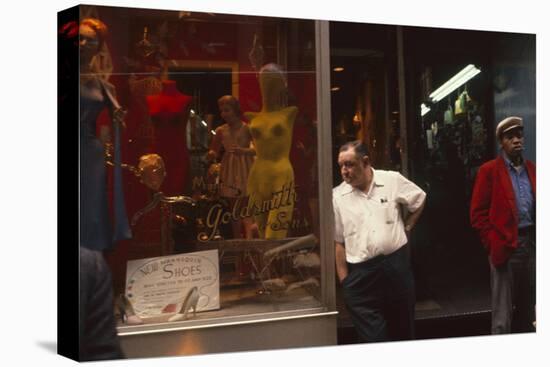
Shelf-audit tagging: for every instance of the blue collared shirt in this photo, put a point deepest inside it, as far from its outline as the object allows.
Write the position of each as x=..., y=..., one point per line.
x=523, y=192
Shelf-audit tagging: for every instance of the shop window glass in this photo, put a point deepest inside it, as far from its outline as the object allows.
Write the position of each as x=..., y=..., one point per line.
x=198, y=137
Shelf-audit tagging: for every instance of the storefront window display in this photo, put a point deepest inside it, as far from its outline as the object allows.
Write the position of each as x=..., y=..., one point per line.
x=198, y=158
x=207, y=158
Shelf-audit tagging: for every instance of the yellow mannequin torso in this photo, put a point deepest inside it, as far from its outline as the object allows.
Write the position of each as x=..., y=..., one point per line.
x=272, y=172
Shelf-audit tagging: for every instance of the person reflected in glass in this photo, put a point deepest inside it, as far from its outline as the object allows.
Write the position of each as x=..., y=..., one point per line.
x=303, y=157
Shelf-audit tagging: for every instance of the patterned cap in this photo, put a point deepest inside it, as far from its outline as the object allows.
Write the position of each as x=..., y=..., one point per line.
x=508, y=124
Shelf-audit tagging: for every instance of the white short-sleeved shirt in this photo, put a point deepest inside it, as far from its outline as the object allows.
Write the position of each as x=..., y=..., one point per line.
x=370, y=224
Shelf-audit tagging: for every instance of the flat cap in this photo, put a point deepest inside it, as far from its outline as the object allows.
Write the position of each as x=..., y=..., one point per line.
x=508, y=124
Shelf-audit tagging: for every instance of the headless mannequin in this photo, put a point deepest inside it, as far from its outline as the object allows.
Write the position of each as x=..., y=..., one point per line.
x=144, y=81
x=169, y=112
x=272, y=172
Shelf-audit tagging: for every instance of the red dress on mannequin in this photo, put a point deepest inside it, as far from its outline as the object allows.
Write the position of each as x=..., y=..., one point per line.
x=169, y=113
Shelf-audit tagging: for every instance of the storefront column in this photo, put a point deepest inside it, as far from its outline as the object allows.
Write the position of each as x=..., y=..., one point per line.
x=402, y=102
x=324, y=151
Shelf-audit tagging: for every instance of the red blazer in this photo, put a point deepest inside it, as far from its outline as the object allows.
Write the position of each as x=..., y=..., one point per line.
x=493, y=211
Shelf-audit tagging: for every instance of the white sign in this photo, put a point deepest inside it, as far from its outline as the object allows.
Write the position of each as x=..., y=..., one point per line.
x=158, y=287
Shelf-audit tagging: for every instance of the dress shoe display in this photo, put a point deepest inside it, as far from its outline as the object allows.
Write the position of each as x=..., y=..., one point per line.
x=127, y=312
x=190, y=301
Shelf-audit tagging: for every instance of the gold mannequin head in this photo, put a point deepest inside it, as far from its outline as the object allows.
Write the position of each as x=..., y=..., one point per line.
x=151, y=171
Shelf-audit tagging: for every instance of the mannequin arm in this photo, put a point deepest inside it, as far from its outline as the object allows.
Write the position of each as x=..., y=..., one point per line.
x=243, y=151
x=215, y=146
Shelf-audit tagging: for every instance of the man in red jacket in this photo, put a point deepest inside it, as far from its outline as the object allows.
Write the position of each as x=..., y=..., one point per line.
x=503, y=212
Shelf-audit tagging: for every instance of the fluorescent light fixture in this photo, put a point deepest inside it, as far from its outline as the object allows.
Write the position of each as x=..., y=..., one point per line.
x=204, y=123
x=456, y=81
x=212, y=132
x=424, y=109
x=338, y=69
x=335, y=89
x=192, y=111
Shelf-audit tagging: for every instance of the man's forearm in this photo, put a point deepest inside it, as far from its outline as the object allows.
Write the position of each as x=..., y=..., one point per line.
x=341, y=265
x=413, y=217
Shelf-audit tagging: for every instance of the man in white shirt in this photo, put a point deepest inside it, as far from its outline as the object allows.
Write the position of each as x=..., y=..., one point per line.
x=372, y=259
